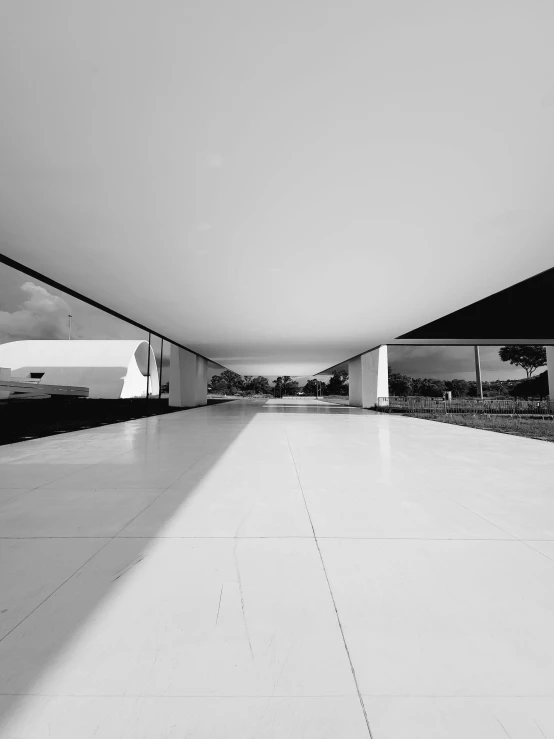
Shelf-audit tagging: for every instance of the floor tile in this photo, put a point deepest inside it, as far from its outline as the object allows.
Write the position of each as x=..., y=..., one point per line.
x=461, y=718
x=219, y=617
x=8, y=493
x=31, y=474
x=201, y=718
x=50, y=512
x=546, y=548
x=225, y=510
x=109, y=475
x=31, y=569
x=255, y=473
x=520, y=504
x=393, y=514
x=445, y=617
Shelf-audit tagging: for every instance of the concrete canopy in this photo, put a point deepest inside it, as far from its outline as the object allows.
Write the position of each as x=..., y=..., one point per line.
x=278, y=187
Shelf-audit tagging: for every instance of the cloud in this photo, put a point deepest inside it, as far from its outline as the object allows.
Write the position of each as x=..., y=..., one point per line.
x=41, y=316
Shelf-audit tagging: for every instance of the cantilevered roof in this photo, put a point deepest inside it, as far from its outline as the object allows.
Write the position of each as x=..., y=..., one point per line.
x=278, y=187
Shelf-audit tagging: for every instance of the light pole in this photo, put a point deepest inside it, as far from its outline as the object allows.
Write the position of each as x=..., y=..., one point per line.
x=69, y=333
x=148, y=367
x=479, y=383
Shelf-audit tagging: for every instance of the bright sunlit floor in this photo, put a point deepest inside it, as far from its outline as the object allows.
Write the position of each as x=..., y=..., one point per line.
x=277, y=570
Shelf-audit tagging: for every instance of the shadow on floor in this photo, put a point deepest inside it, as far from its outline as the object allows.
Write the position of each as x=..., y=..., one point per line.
x=21, y=420
x=178, y=449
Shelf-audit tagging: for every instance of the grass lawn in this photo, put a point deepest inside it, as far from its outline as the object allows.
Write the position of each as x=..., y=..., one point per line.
x=531, y=428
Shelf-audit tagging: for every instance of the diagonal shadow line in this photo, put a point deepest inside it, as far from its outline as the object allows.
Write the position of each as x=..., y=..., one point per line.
x=108, y=541
x=82, y=612
x=85, y=610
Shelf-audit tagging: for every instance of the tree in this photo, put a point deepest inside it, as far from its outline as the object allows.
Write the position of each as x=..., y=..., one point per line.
x=428, y=387
x=286, y=385
x=218, y=385
x=233, y=380
x=337, y=384
x=292, y=388
x=494, y=389
x=310, y=388
x=258, y=385
x=459, y=388
x=529, y=357
x=533, y=387
x=400, y=384
x=227, y=383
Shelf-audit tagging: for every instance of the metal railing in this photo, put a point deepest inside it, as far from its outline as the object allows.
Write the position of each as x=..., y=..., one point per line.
x=473, y=406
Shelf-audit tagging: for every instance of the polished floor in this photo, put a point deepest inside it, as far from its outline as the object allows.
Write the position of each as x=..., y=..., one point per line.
x=277, y=570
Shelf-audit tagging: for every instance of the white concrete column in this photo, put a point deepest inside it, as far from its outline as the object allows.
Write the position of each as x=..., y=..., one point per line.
x=201, y=381
x=550, y=368
x=188, y=379
x=368, y=378
x=355, y=381
x=182, y=378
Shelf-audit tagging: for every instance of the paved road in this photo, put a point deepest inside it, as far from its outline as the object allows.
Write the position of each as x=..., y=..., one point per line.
x=277, y=569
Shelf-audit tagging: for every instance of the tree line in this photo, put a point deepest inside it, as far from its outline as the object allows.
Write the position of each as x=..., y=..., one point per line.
x=529, y=358
x=231, y=383
x=403, y=385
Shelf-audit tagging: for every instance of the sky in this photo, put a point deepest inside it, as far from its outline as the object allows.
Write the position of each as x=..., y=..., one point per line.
x=30, y=309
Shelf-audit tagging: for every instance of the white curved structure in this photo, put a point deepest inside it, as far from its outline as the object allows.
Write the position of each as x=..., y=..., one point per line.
x=110, y=369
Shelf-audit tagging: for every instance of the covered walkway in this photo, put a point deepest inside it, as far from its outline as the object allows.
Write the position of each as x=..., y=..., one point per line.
x=277, y=570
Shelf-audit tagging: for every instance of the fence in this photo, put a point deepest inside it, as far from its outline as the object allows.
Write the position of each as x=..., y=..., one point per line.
x=473, y=406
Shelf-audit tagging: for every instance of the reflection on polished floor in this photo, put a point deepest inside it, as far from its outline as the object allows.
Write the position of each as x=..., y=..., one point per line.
x=280, y=569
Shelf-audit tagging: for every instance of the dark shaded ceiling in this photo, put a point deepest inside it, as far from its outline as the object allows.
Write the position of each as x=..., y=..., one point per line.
x=524, y=310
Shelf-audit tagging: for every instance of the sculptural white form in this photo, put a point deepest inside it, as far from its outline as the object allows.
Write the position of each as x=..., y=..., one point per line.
x=109, y=368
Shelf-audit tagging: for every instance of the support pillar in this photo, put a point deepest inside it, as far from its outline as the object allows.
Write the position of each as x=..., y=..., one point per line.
x=368, y=378
x=201, y=381
x=478, y=381
x=188, y=379
x=550, y=368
